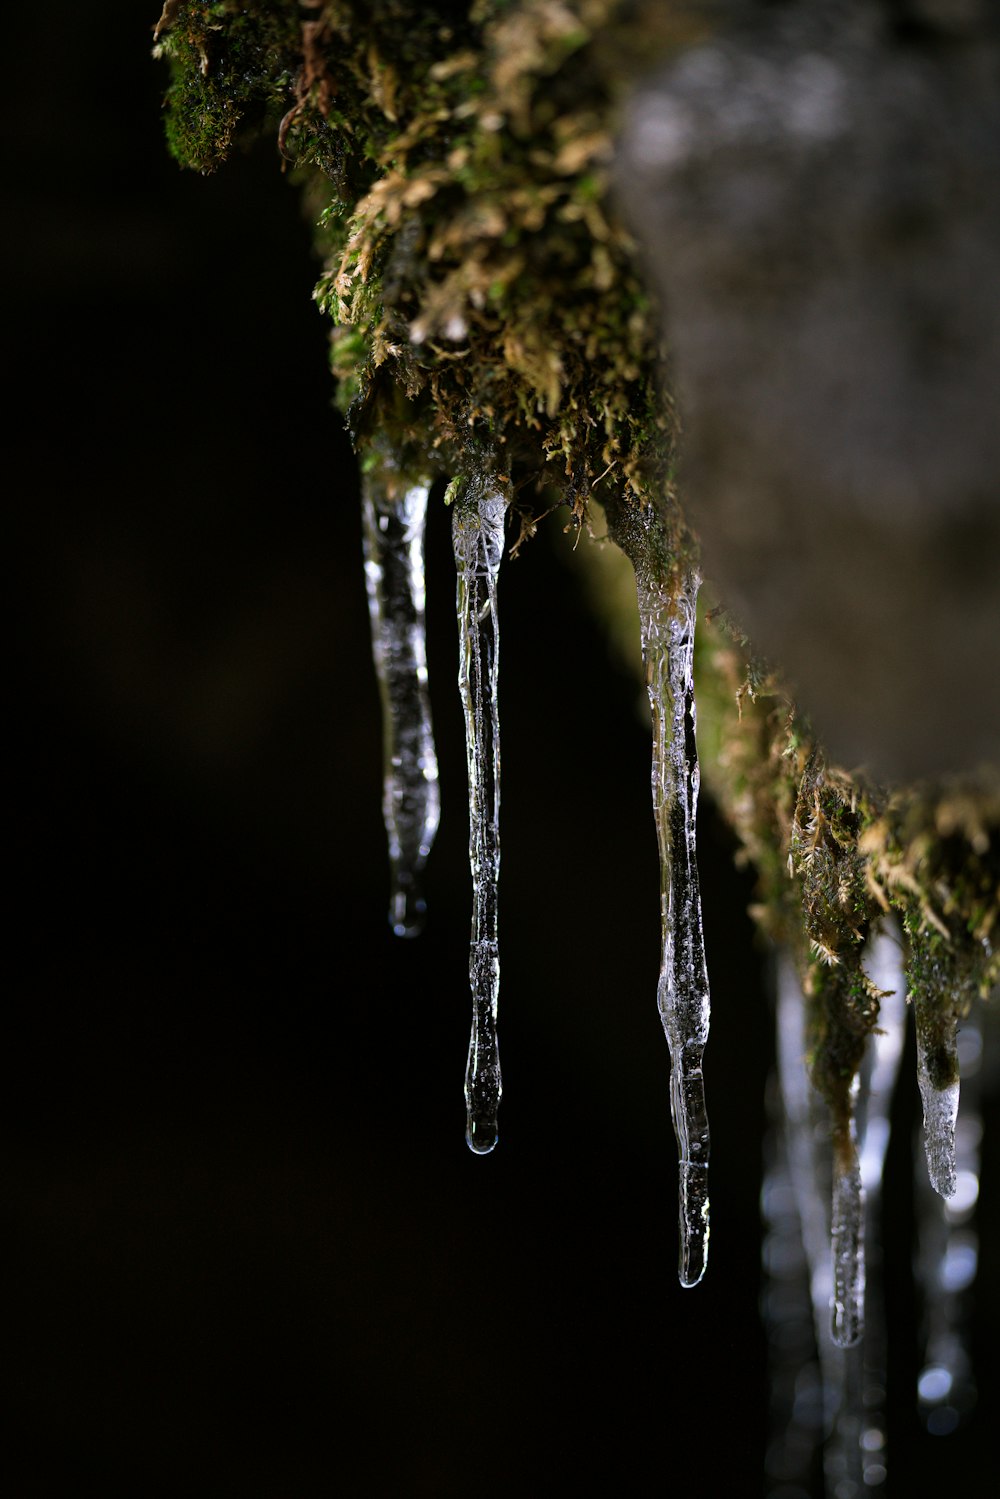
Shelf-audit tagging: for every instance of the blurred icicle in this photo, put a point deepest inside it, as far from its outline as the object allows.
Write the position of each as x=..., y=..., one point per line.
x=394, y=510
x=847, y=1238
x=842, y=1403
x=795, y=1384
x=810, y=1161
x=948, y=1255
x=883, y=963
x=936, y=1024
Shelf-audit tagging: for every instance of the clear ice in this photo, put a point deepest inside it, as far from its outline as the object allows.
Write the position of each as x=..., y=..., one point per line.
x=847, y=1237
x=948, y=1255
x=883, y=962
x=795, y=1382
x=667, y=621
x=805, y=1187
x=478, y=535
x=940, y=1105
x=394, y=510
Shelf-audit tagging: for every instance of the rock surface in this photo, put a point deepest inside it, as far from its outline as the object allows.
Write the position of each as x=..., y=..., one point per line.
x=817, y=201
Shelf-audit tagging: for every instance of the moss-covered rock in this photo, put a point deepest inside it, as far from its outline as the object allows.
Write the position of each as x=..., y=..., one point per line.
x=486, y=298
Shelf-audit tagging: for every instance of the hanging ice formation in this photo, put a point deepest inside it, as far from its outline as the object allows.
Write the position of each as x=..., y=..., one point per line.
x=478, y=534
x=937, y=1061
x=847, y=1237
x=846, y=1412
x=394, y=509
x=940, y=1108
x=401, y=245
x=843, y=1011
x=948, y=1255
x=878, y=1080
x=667, y=623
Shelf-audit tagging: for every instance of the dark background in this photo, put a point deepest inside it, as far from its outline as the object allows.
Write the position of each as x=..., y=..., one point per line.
x=251, y=1252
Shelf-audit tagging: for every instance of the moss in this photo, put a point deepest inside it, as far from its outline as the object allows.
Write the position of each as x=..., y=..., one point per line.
x=475, y=261
x=936, y=857
x=231, y=68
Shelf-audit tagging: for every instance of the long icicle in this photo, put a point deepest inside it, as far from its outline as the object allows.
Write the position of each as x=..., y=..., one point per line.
x=394, y=510
x=478, y=533
x=807, y=1122
x=843, y=1009
x=853, y=1374
x=807, y=1135
x=795, y=1382
x=883, y=962
x=667, y=621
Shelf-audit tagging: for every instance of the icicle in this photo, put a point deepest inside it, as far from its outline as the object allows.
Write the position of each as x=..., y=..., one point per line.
x=848, y=1241
x=394, y=509
x=948, y=1255
x=879, y=1074
x=937, y=1076
x=795, y=1383
x=807, y=1144
x=883, y=963
x=667, y=623
x=853, y=1377
x=477, y=532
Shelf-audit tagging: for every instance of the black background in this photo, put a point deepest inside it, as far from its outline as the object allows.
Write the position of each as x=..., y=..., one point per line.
x=251, y=1252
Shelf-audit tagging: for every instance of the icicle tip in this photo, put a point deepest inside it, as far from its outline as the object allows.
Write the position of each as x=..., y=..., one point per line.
x=481, y=1137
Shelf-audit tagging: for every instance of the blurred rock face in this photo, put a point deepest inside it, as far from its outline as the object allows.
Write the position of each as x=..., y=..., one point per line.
x=818, y=201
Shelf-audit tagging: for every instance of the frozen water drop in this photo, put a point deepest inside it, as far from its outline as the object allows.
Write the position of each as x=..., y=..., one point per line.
x=477, y=535
x=394, y=510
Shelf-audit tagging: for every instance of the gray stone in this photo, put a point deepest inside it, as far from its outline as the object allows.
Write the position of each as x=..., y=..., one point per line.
x=818, y=202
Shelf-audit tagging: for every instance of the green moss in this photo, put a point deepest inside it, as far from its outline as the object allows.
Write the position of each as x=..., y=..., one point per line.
x=833, y=855
x=231, y=66
x=474, y=256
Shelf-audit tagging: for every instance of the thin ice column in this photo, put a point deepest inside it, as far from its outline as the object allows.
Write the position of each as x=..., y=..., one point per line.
x=477, y=533
x=883, y=963
x=795, y=1383
x=847, y=1236
x=667, y=621
x=807, y=1142
x=394, y=510
x=853, y=1373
